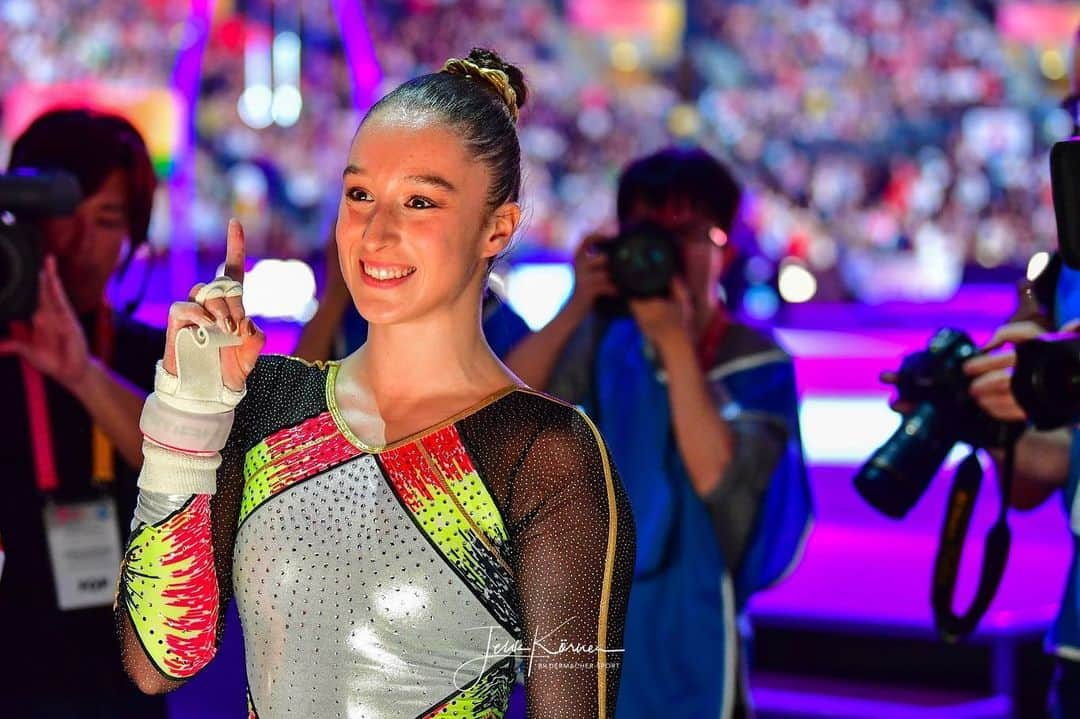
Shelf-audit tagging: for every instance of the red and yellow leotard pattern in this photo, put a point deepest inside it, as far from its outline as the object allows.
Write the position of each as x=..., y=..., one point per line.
x=410, y=580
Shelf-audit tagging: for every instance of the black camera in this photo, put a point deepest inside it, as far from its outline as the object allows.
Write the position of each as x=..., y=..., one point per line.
x=25, y=197
x=898, y=473
x=1046, y=381
x=642, y=260
x=1065, y=188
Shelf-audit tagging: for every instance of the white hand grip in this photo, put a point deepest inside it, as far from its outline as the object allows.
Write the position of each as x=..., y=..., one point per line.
x=197, y=386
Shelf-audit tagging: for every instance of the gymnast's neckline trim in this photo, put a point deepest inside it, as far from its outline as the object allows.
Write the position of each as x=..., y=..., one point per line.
x=331, y=402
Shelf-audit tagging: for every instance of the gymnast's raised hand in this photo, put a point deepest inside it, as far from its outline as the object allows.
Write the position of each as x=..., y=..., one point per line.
x=220, y=305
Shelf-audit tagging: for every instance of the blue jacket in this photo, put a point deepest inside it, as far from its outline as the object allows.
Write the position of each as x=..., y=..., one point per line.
x=681, y=637
x=1064, y=636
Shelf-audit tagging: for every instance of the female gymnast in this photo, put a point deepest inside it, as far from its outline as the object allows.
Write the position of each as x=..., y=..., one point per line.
x=405, y=530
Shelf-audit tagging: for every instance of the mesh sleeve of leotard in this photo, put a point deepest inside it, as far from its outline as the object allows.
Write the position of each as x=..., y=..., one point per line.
x=571, y=549
x=175, y=579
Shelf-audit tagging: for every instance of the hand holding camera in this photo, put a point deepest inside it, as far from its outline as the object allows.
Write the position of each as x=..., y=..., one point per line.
x=991, y=372
x=663, y=318
x=42, y=325
x=636, y=271
x=52, y=340
x=591, y=277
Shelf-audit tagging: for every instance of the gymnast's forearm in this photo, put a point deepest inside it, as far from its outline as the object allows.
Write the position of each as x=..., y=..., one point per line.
x=168, y=600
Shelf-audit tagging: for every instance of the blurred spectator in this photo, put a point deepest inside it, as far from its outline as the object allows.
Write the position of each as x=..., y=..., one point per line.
x=887, y=145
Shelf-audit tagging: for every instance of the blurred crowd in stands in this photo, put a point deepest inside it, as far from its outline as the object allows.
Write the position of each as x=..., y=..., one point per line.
x=888, y=144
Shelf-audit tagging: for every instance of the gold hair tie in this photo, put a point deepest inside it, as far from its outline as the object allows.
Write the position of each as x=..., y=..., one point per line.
x=496, y=78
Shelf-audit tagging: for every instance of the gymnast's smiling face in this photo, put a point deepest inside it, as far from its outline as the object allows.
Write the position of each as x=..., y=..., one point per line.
x=415, y=231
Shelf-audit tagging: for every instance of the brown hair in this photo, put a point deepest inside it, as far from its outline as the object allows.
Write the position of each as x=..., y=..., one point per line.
x=91, y=145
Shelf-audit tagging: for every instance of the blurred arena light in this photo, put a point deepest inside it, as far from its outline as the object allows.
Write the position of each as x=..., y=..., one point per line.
x=795, y=282
x=684, y=120
x=761, y=302
x=286, y=105
x=537, y=290
x=1057, y=125
x=279, y=289
x=1037, y=264
x=867, y=423
x=1052, y=64
x=255, y=105
x=866, y=420
x=287, y=102
x=625, y=55
x=653, y=29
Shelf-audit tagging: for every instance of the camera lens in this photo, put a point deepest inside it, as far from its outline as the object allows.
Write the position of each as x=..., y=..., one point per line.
x=898, y=473
x=642, y=261
x=10, y=262
x=1046, y=381
x=20, y=259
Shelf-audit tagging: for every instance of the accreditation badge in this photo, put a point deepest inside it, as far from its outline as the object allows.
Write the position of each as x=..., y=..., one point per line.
x=84, y=548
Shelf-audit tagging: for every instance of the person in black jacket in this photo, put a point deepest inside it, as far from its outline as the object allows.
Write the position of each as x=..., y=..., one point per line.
x=73, y=378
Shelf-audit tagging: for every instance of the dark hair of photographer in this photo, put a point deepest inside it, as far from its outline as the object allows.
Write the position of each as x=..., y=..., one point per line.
x=690, y=194
x=688, y=175
x=109, y=159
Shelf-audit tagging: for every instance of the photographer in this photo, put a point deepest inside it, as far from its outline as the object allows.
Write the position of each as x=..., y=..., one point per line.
x=700, y=413
x=1045, y=462
x=74, y=377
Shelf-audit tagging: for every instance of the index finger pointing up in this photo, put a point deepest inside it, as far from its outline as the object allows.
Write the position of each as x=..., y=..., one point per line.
x=234, y=251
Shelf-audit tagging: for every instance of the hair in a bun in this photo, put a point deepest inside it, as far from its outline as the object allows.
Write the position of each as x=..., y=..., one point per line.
x=505, y=79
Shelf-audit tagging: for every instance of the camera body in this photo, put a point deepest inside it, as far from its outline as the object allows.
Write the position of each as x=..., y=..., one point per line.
x=642, y=260
x=26, y=197
x=1046, y=379
x=898, y=473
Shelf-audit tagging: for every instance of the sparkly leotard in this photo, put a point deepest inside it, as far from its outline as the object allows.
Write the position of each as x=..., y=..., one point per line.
x=407, y=581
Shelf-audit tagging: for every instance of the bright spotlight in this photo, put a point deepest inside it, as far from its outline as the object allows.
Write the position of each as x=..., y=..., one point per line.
x=796, y=283
x=1037, y=264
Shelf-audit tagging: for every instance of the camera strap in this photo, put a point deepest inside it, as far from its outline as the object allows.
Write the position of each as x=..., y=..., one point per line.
x=103, y=469
x=958, y=511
